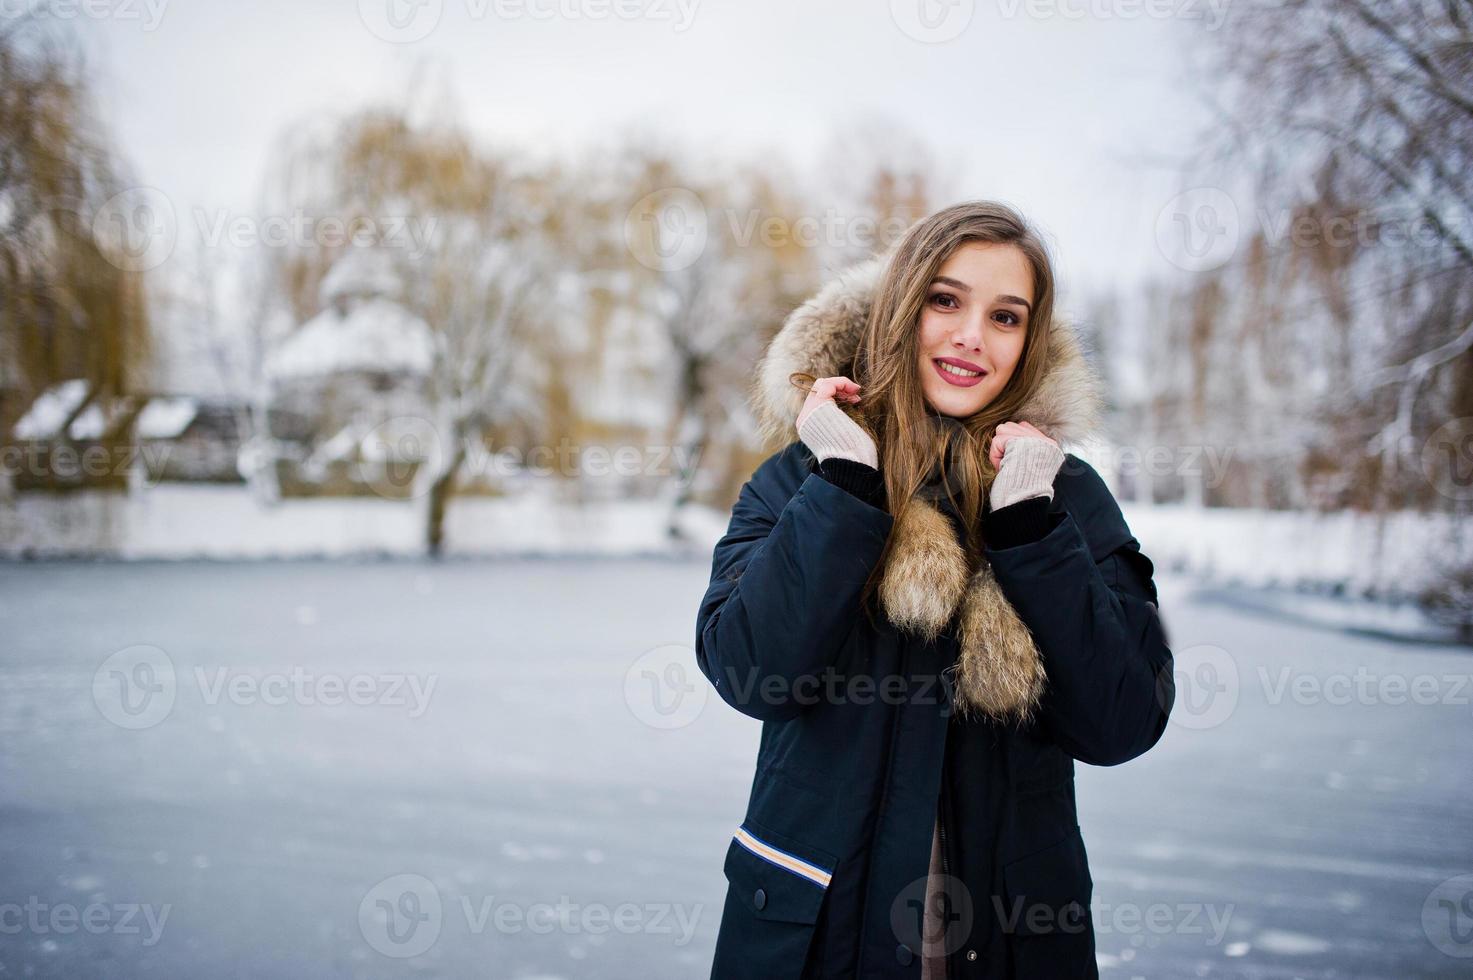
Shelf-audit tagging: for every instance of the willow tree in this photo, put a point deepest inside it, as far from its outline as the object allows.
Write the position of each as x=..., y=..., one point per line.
x=72, y=303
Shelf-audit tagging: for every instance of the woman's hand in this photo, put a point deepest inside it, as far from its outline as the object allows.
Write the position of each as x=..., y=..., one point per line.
x=1026, y=461
x=827, y=431
x=1007, y=432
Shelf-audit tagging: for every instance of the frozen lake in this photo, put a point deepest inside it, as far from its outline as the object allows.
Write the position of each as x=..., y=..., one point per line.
x=346, y=769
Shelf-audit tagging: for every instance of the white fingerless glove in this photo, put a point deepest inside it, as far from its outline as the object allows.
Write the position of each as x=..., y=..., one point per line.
x=1029, y=465
x=829, y=433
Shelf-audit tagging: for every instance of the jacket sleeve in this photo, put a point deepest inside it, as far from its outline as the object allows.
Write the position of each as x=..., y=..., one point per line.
x=785, y=586
x=1085, y=590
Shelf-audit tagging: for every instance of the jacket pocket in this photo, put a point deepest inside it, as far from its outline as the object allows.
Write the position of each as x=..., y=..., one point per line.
x=777, y=888
x=1048, y=892
x=776, y=877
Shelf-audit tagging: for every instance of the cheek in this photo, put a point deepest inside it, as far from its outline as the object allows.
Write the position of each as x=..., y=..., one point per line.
x=1012, y=350
x=930, y=330
x=928, y=337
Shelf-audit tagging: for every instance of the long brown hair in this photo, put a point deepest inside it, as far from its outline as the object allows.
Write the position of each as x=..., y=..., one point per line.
x=915, y=441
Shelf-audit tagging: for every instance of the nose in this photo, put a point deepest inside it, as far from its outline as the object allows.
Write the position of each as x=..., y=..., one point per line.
x=969, y=335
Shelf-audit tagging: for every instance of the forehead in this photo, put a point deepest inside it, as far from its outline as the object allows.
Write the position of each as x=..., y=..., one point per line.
x=991, y=268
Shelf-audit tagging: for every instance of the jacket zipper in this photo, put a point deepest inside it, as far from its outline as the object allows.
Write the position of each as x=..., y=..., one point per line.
x=941, y=834
x=941, y=827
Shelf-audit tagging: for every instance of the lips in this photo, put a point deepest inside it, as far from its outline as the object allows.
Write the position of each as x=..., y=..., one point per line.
x=951, y=377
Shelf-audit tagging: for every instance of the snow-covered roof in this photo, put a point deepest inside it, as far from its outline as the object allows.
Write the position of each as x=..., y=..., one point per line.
x=166, y=418
x=43, y=420
x=360, y=273
x=97, y=418
x=374, y=335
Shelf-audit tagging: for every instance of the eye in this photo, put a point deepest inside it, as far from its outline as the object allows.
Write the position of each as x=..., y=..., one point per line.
x=1007, y=317
x=938, y=297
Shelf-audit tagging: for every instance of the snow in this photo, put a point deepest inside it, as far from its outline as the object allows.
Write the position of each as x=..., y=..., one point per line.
x=1357, y=553
x=161, y=418
x=179, y=520
x=44, y=418
x=166, y=418
x=362, y=326
x=95, y=421
x=361, y=272
x=531, y=780
x=375, y=335
x=1362, y=553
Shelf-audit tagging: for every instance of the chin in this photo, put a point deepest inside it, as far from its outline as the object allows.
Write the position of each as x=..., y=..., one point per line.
x=957, y=403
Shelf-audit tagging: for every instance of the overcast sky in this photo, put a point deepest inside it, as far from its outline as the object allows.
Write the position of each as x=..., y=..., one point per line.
x=1053, y=105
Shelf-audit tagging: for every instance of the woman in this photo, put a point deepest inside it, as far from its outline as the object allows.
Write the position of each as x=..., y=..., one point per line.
x=934, y=610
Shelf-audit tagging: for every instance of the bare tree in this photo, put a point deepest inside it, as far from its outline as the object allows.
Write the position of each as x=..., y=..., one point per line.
x=476, y=264
x=1358, y=118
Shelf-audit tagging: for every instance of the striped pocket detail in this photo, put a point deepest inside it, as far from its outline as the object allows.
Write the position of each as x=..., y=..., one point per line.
x=781, y=858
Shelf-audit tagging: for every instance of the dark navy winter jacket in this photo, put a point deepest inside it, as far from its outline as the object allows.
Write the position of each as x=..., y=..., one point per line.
x=860, y=752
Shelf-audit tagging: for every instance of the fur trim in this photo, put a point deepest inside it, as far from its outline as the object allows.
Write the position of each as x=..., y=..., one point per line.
x=999, y=671
x=926, y=585
x=926, y=572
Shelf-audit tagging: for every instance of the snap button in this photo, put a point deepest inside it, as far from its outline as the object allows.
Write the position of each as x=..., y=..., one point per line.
x=971, y=955
x=903, y=954
x=760, y=899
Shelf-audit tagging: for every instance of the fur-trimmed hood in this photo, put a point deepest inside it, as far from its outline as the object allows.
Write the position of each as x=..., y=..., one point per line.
x=927, y=584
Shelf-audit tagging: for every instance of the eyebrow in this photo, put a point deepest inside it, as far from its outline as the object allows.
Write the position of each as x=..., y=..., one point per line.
x=1002, y=297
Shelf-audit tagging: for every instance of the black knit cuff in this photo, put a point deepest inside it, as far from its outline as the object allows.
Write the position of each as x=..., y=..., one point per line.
x=859, y=479
x=1019, y=523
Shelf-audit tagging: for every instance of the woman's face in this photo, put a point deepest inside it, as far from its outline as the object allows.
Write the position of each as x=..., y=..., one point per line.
x=975, y=318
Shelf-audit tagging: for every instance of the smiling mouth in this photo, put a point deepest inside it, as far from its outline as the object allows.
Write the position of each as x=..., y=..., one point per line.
x=960, y=377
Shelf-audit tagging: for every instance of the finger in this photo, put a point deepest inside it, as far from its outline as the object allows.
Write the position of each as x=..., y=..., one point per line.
x=837, y=388
x=827, y=387
x=845, y=387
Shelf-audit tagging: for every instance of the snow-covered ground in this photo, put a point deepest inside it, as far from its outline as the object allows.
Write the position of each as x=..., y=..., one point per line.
x=1290, y=555
x=309, y=769
x=1361, y=553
